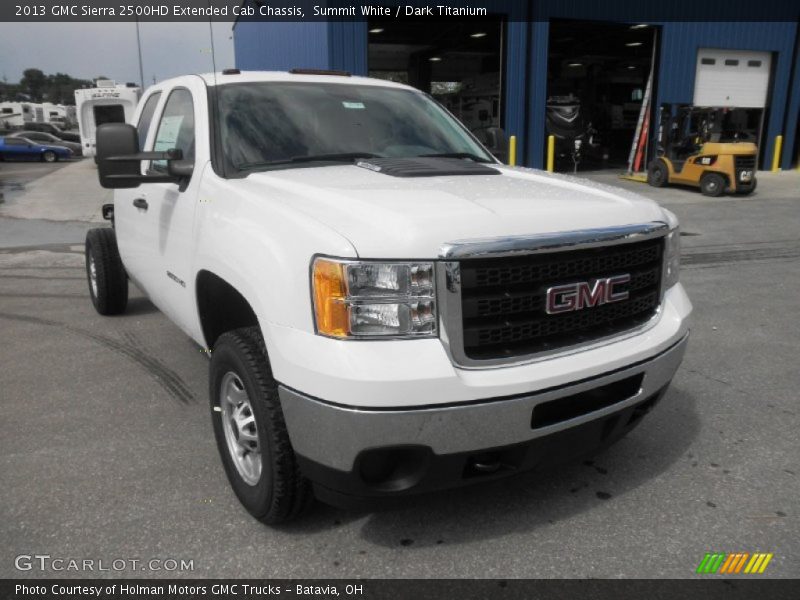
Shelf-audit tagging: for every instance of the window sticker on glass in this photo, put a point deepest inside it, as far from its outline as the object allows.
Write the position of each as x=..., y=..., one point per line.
x=168, y=133
x=354, y=105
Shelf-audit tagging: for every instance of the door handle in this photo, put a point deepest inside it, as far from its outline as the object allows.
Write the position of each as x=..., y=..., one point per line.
x=140, y=203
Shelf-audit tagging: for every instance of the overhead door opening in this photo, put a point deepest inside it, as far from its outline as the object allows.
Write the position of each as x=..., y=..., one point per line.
x=737, y=82
x=460, y=63
x=597, y=76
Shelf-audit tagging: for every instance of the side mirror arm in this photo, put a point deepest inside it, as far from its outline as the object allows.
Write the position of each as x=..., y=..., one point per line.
x=172, y=154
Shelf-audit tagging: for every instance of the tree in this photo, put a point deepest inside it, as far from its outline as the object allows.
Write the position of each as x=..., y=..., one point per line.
x=33, y=82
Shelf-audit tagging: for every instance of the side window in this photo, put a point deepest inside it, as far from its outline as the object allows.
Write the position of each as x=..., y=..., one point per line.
x=176, y=128
x=146, y=118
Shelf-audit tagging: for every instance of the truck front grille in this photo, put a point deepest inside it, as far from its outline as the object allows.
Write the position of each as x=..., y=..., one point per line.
x=503, y=299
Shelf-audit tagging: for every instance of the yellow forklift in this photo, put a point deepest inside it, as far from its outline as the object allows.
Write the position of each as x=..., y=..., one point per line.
x=705, y=147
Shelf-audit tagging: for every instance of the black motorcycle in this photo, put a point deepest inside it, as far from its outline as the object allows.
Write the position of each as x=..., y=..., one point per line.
x=574, y=135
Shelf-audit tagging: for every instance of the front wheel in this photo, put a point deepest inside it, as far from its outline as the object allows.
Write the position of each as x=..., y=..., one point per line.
x=108, y=281
x=251, y=433
x=49, y=156
x=657, y=174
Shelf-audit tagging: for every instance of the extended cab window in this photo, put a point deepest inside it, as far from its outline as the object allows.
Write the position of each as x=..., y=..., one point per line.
x=175, y=128
x=147, y=117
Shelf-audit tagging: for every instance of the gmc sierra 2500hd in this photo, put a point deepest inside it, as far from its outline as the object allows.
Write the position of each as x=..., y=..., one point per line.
x=388, y=309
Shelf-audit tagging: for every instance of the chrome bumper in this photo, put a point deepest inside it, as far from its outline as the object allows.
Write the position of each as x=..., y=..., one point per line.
x=334, y=435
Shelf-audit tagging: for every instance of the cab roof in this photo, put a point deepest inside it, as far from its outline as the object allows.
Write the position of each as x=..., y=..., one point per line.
x=306, y=76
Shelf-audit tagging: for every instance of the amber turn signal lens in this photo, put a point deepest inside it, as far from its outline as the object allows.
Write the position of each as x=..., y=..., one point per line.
x=329, y=299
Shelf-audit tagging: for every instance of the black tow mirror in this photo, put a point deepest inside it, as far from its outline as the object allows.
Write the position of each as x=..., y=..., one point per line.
x=119, y=159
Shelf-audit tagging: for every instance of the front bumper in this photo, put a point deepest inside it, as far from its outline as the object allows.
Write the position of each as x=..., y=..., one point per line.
x=351, y=451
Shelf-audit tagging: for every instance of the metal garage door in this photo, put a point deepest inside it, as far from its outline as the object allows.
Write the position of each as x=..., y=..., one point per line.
x=732, y=78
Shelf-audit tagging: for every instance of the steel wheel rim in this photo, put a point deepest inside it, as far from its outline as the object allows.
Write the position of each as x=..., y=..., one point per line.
x=93, y=275
x=240, y=429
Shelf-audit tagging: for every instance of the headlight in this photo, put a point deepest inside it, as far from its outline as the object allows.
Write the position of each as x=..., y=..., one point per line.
x=355, y=299
x=672, y=257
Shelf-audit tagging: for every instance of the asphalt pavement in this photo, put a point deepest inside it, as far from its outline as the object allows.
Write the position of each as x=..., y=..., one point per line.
x=107, y=452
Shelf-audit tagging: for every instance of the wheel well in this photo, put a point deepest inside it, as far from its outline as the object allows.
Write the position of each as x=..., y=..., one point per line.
x=221, y=307
x=720, y=173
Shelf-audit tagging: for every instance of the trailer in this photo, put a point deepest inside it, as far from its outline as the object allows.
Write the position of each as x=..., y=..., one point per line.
x=107, y=102
x=55, y=114
x=14, y=115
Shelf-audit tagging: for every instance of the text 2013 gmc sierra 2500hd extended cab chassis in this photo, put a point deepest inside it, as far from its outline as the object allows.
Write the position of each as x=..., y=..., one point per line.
x=388, y=309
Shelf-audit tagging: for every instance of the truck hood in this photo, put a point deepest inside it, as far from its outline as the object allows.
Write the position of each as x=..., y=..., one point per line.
x=412, y=217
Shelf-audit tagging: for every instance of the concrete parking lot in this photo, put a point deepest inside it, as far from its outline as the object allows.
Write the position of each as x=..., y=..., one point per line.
x=107, y=450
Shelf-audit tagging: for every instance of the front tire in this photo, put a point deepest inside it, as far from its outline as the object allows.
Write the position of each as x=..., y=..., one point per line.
x=251, y=433
x=658, y=174
x=49, y=156
x=713, y=184
x=108, y=281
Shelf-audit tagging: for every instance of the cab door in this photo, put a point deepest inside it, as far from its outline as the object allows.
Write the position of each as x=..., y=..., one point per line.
x=171, y=206
x=131, y=215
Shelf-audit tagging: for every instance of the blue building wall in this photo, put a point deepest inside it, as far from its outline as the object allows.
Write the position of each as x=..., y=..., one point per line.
x=793, y=112
x=280, y=46
x=343, y=45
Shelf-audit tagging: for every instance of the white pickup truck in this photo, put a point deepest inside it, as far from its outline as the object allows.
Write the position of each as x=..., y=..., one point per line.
x=388, y=310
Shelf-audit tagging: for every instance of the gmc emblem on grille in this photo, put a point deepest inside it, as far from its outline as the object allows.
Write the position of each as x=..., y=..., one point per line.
x=585, y=294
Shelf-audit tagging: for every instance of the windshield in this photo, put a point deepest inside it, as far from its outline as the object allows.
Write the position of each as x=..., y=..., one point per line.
x=275, y=125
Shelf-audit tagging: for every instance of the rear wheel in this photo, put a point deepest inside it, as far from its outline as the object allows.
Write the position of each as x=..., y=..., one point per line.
x=251, y=434
x=108, y=282
x=49, y=156
x=712, y=184
x=658, y=174
x=744, y=189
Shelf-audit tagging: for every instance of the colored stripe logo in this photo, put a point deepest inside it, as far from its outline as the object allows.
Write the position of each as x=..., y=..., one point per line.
x=734, y=563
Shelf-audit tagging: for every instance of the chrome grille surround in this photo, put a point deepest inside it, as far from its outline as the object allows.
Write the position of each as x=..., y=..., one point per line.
x=449, y=298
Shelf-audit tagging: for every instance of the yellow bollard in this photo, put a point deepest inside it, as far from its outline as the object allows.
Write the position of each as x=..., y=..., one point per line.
x=776, y=156
x=512, y=151
x=551, y=152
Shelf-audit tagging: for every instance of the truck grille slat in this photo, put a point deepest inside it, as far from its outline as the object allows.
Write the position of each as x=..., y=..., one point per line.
x=503, y=299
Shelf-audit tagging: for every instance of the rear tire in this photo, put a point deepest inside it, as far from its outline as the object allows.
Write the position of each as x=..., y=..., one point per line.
x=105, y=274
x=251, y=433
x=713, y=184
x=745, y=190
x=49, y=156
x=658, y=174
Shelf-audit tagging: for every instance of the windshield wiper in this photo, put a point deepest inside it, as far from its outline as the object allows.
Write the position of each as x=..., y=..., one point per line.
x=339, y=157
x=469, y=155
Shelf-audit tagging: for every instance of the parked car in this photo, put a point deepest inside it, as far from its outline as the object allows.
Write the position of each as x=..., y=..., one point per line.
x=48, y=139
x=55, y=130
x=388, y=310
x=20, y=148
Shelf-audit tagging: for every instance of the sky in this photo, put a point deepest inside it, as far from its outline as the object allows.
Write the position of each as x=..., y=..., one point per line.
x=86, y=50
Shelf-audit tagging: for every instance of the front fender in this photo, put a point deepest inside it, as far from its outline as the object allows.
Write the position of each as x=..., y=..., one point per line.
x=263, y=248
